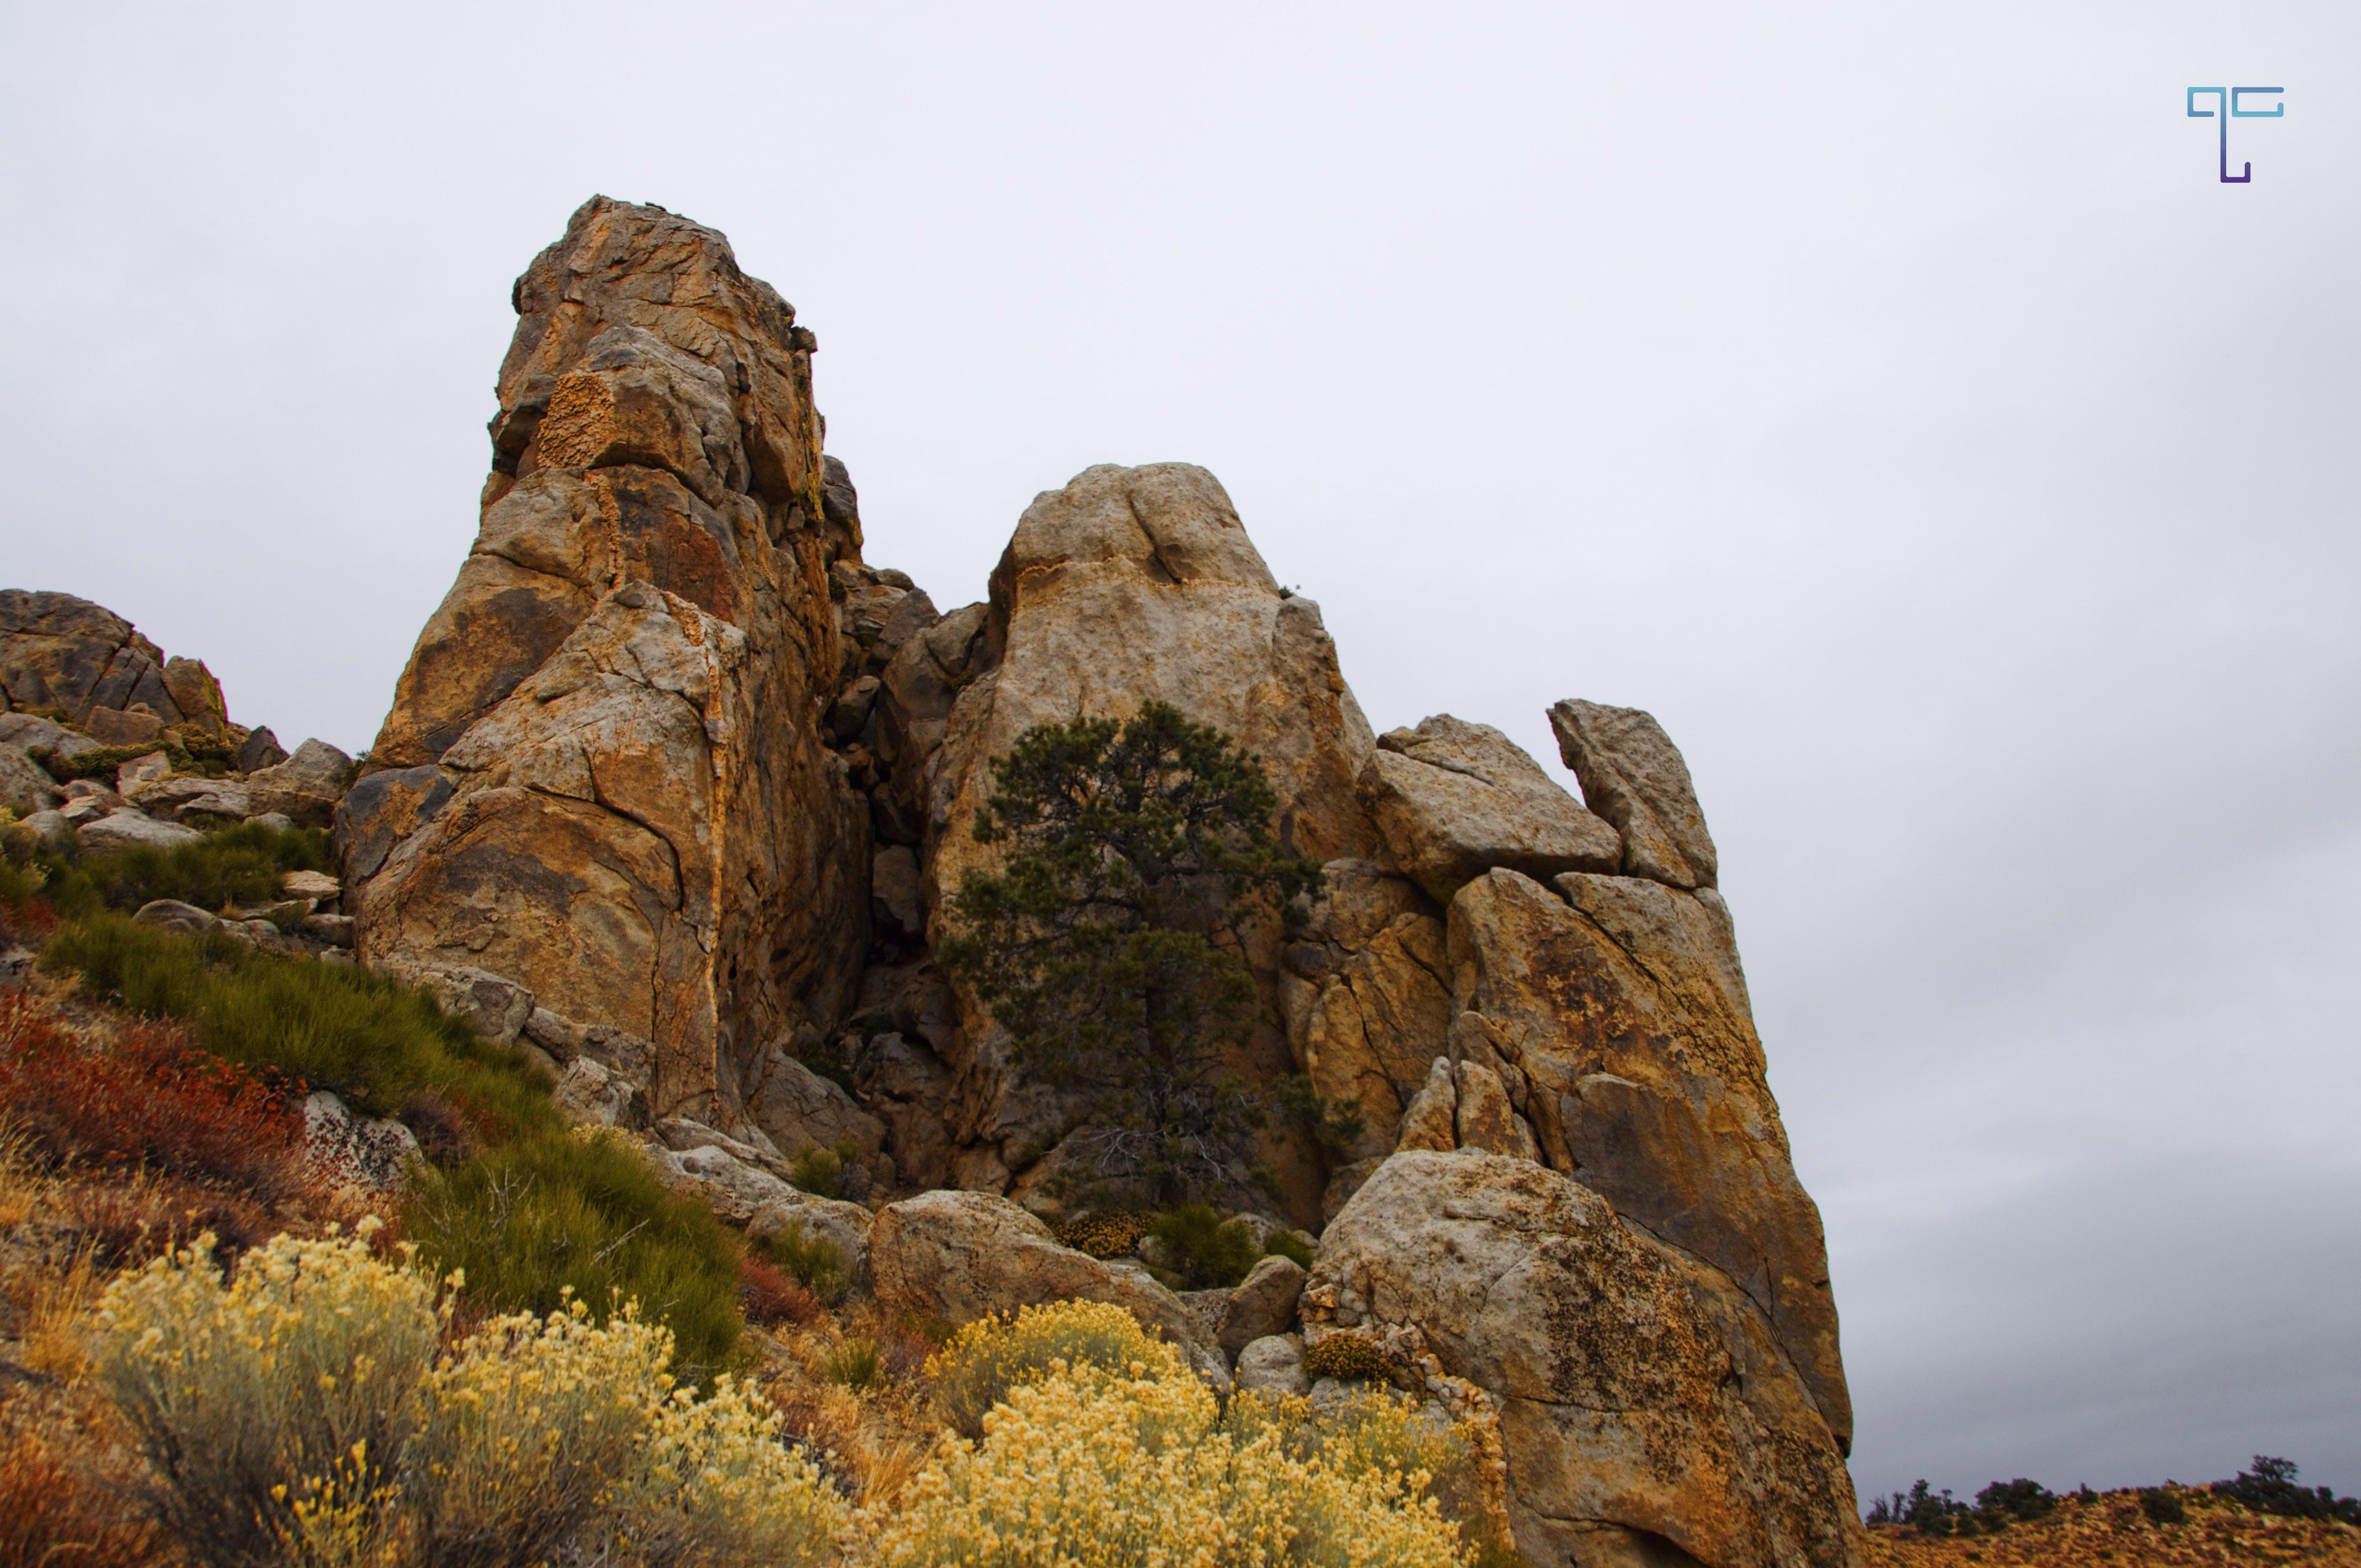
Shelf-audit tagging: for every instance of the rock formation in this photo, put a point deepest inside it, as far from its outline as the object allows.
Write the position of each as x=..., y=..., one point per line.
x=1649, y=1415
x=98, y=674
x=678, y=789
x=604, y=776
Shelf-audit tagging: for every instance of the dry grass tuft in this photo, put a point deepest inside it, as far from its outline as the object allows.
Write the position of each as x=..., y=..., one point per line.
x=56, y=1512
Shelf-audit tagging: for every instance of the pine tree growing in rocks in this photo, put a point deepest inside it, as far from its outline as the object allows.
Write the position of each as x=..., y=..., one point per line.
x=1108, y=944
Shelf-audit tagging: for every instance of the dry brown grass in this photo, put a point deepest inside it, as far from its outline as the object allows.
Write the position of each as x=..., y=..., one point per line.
x=2110, y=1531
x=55, y=1317
x=20, y=1180
x=871, y=1443
x=59, y=1508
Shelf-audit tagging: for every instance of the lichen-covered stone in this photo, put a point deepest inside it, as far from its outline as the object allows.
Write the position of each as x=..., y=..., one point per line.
x=1638, y=1389
x=631, y=805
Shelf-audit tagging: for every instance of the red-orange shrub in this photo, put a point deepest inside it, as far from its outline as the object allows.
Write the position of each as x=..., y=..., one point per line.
x=151, y=1102
x=770, y=1298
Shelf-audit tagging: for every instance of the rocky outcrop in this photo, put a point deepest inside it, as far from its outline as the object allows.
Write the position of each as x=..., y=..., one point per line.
x=1613, y=1010
x=1647, y=1408
x=604, y=775
x=91, y=666
x=677, y=791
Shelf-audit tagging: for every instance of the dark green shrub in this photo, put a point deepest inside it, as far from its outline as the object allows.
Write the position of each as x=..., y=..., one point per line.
x=2271, y=1488
x=240, y=865
x=1926, y=1510
x=1203, y=1249
x=1112, y=1233
x=552, y=1211
x=2162, y=1506
x=818, y=1172
x=1347, y=1356
x=1322, y=1124
x=236, y=865
x=335, y=1026
x=1289, y=1245
x=2017, y=1499
x=815, y=1263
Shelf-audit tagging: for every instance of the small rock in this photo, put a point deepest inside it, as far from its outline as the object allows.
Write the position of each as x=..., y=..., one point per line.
x=26, y=731
x=896, y=893
x=1428, y=1121
x=1206, y=1308
x=750, y=1185
x=1263, y=1304
x=261, y=751
x=170, y=914
x=116, y=727
x=305, y=786
x=845, y=1226
x=1273, y=1365
x=313, y=885
x=278, y=819
x=361, y=1150
x=149, y=769
x=850, y=710
x=128, y=826
x=227, y=801
x=681, y=1134
x=47, y=825
x=493, y=1006
x=336, y=930
x=962, y=1255
x=588, y=1095
x=25, y=785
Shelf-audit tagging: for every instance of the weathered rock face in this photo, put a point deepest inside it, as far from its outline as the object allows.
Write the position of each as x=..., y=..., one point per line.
x=63, y=652
x=1614, y=1011
x=676, y=789
x=1129, y=585
x=603, y=775
x=1632, y=776
x=1647, y=1406
x=1455, y=799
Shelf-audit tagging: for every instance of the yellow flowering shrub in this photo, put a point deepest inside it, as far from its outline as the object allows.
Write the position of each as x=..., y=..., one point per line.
x=1135, y=1468
x=308, y=1365
x=1377, y=1430
x=301, y=1413
x=988, y=1357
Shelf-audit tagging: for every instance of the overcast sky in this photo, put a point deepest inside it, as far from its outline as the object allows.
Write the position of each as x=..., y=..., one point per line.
x=1889, y=398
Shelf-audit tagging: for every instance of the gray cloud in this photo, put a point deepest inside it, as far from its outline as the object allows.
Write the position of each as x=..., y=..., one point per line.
x=1890, y=400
